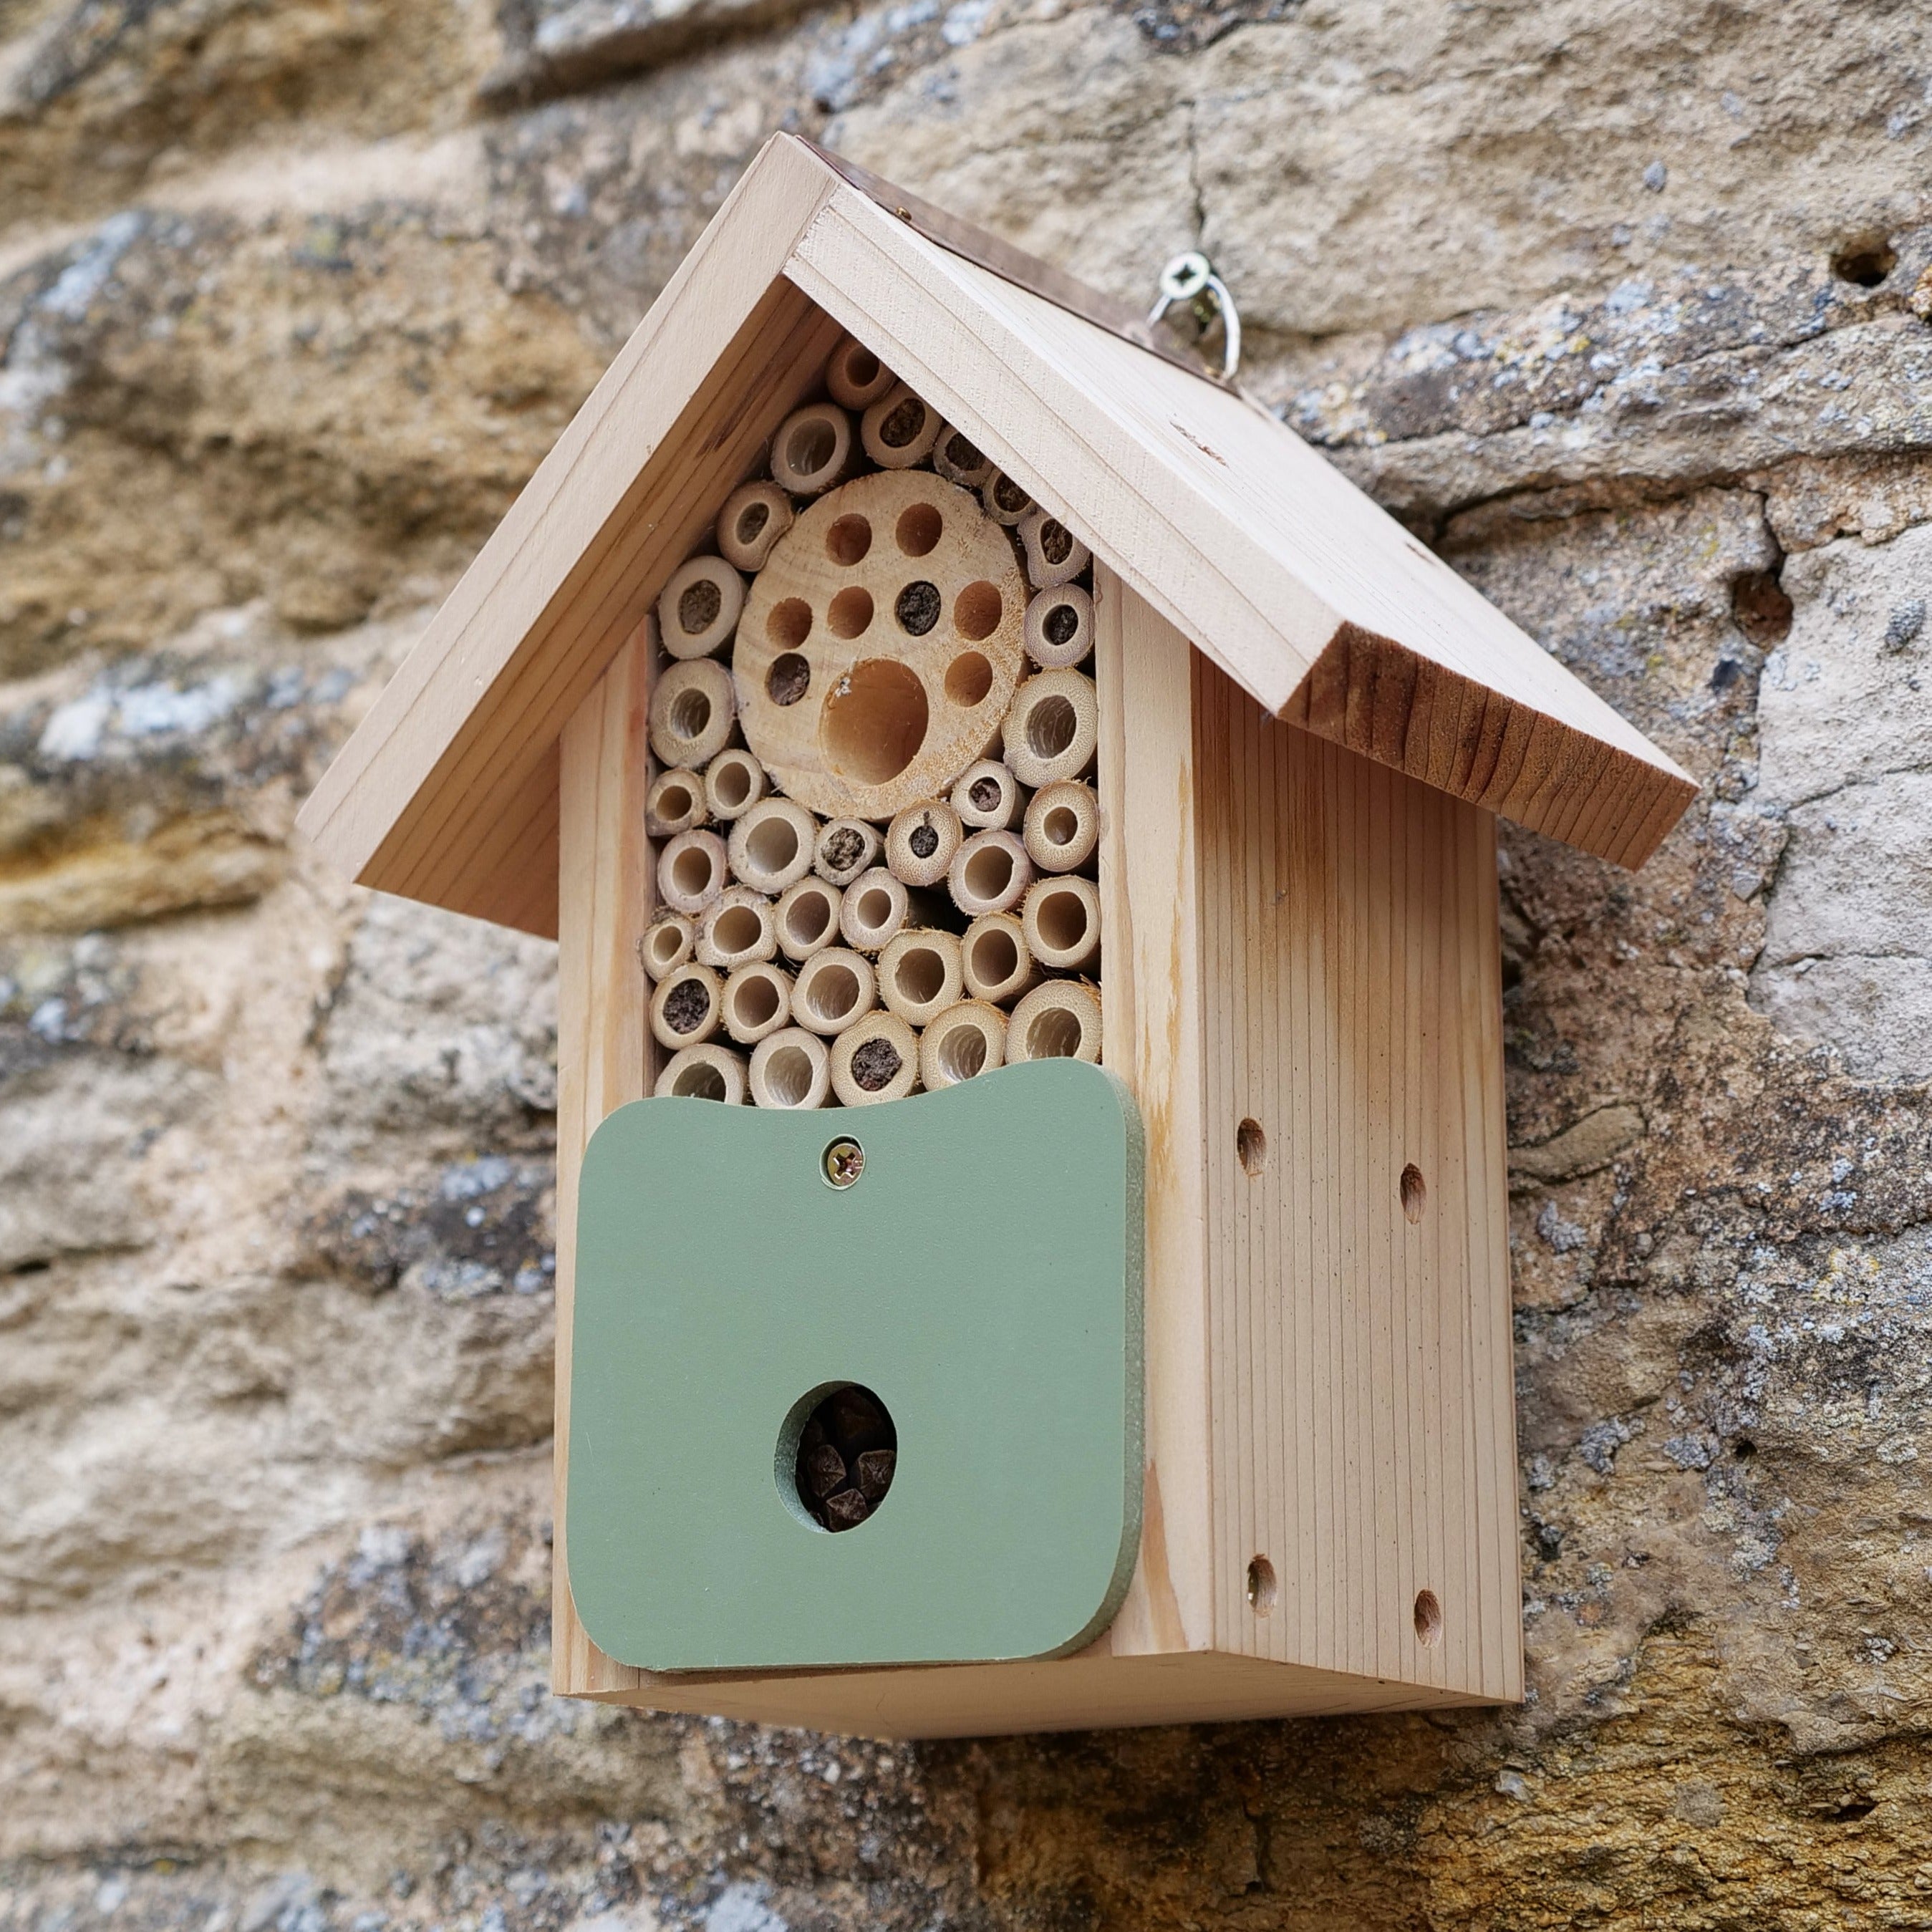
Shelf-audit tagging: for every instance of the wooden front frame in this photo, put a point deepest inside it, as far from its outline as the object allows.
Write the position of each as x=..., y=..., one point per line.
x=1293, y=935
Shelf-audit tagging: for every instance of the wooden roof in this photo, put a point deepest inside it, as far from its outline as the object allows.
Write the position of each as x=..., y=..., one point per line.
x=1319, y=604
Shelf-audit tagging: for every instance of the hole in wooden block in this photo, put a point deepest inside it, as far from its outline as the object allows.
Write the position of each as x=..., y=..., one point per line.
x=875, y=721
x=1251, y=1148
x=1051, y=725
x=848, y=540
x=1428, y=1619
x=789, y=624
x=851, y=611
x=1263, y=1590
x=838, y=1451
x=789, y=678
x=919, y=529
x=1415, y=1192
x=917, y=608
x=968, y=678
x=977, y=610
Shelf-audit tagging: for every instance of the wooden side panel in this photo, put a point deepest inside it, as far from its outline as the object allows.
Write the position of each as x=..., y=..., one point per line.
x=1150, y=1035
x=606, y=889
x=1363, y=1430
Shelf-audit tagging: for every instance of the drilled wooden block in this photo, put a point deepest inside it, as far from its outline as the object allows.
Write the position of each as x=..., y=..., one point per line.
x=879, y=646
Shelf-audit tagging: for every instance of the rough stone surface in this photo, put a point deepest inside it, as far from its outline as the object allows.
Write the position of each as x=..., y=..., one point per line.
x=1625, y=309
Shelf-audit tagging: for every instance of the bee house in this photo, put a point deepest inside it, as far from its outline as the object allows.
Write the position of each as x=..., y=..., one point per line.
x=1019, y=831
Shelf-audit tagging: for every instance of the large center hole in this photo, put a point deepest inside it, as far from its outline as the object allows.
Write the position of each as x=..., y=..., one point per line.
x=848, y=1451
x=875, y=721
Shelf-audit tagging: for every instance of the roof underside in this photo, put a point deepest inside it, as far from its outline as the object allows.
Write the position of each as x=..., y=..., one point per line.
x=1319, y=604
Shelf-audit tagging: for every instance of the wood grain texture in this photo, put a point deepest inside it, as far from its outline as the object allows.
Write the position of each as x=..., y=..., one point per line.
x=1150, y=1028
x=1363, y=1431
x=1221, y=518
x=1069, y=1693
x=605, y=1055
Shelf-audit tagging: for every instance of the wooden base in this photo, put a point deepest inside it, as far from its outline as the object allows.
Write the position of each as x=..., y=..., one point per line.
x=1072, y=1693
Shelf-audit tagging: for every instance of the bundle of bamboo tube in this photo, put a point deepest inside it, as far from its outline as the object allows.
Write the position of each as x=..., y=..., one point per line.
x=804, y=959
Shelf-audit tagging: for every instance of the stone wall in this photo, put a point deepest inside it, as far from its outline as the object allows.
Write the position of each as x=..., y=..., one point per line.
x=1623, y=308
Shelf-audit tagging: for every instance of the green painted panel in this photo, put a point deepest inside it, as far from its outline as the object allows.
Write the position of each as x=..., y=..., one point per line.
x=982, y=1277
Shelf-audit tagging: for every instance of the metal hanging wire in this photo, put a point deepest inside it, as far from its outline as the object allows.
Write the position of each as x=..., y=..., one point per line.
x=1190, y=278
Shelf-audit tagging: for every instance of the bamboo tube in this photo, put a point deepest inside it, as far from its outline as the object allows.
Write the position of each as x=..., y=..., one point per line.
x=1060, y=628
x=754, y=517
x=757, y=1001
x=920, y=976
x=846, y=847
x=808, y=918
x=987, y=797
x=791, y=1068
x=958, y=459
x=698, y=609
x=735, y=928
x=875, y=1059
x=687, y=1007
x=991, y=873
x=899, y=430
x=833, y=988
x=772, y=844
x=920, y=842
x=995, y=959
x=966, y=1039
x=675, y=803
x=1060, y=917
x=691, y=871
x=1063, y=826
x=1055, y=555
x=873, y=910
x=706, y=1073
x=668, y=942
x=856, y=377
x=1060, y=1019
x=812, y=449
x=1005, y=502
x=693, y=707
x=734, y=781
x=1052, y=727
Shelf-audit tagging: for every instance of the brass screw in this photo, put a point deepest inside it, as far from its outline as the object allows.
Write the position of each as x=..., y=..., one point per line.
x=844, y=1161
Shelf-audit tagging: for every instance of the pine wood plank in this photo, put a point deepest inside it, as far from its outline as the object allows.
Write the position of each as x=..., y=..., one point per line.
x=605, y=1052
x=1064, y=1694
x=1150, y=1021
x=1361, y=1398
